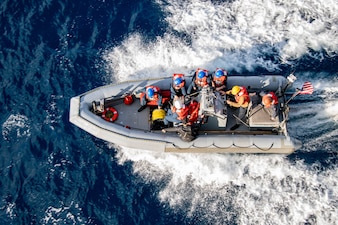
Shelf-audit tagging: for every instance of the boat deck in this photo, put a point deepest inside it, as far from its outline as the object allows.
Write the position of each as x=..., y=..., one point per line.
x=258, y=120
x=129, y=116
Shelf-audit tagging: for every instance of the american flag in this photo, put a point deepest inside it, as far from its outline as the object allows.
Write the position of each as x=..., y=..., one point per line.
x=307, y=89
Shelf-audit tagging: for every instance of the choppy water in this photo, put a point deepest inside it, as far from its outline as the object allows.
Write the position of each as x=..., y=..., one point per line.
x=51, y=172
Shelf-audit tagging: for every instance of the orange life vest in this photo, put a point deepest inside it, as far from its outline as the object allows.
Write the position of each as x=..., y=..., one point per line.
x=274, y=98
x=243, y=92
x=193, y=111
x=182, y=113
x=201, y=82
x=219, y=81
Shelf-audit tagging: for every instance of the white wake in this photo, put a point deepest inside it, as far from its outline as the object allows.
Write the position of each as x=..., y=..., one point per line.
x=239, y=35
x=236, y=36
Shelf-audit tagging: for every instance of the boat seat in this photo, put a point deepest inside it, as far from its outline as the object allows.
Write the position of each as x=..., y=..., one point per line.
x=165, y=98
x=259, y=117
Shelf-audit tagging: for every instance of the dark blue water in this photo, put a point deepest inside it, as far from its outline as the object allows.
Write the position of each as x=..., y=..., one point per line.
x=54, y=173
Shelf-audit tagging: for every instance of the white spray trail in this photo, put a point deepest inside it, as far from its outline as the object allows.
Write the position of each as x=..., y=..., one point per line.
x=239, y=189
x=236, y=35
x=258, y=189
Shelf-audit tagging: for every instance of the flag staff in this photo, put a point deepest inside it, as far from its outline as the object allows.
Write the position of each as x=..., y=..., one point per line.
x=307, y=89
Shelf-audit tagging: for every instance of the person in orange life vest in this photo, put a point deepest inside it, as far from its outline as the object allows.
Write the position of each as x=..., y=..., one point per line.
x=219, y=80
x=270, y=102
x=201, y=79
x=151, y=93
x=242, y=99
x=178, y=113
x=178, y=86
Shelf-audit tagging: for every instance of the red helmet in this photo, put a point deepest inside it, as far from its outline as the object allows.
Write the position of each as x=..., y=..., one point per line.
x=128, y=100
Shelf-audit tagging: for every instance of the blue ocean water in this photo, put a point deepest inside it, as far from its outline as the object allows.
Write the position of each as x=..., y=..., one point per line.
x=54, y=173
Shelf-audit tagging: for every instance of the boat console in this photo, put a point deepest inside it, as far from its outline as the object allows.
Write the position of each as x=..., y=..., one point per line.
x=212, y=103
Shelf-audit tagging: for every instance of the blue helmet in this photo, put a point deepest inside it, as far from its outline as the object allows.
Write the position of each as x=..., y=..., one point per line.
x=201, y=74
x=150, y=92
x=178, y=81
x=219, y=73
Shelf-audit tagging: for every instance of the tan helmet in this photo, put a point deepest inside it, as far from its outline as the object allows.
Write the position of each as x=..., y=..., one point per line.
x=267, y=100
x=235, y=90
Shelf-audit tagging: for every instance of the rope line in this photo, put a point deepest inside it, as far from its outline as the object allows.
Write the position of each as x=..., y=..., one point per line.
x=225, y=147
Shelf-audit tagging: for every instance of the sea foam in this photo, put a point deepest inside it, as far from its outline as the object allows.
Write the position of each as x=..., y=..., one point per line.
x=240, y=36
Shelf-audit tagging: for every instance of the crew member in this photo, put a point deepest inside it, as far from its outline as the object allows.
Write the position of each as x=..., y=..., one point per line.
x=270, y=102
x=241, y=101
x=219, y=80
x=201, y=79
x=178, y=86
x=178, y=113
x=152, y=93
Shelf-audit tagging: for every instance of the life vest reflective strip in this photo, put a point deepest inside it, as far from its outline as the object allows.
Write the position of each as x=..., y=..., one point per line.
x=201, y=82
x=178, y=75
x=199, y=70
x=224, y=71
x=274, y=98
x=182, y=113
x=110, y=114
x=245, y=94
